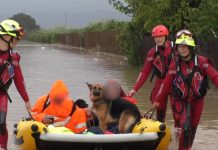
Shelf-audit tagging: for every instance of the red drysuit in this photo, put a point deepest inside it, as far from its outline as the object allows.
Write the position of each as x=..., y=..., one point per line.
x=9, y=70
x=153, y=62
x=180, y=104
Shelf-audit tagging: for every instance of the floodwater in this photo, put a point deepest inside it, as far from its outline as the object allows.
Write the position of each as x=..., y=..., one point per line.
x=42, y=65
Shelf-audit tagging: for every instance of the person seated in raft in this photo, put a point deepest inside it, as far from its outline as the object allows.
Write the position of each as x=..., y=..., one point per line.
x=58, y=109
x=112, y=92
x=81, y=103
x=91, y=118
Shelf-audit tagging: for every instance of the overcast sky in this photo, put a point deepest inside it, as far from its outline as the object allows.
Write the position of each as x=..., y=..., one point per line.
x=51, y=13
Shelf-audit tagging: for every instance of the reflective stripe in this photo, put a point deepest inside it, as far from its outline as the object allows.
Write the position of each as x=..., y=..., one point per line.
x=160, y=90
x=156, y=48
x=62, y=123
x=171, y=72
x=139, y=77
x=205, y=66
x=80, y=125
x=59, y=124
x=172, y=44
x=149, y=59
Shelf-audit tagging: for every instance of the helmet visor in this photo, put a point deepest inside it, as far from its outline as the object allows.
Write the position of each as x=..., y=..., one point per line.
x=20, y=33
x=183, y=32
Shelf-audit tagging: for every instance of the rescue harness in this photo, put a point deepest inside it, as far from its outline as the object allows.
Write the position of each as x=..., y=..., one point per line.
x=160, y=66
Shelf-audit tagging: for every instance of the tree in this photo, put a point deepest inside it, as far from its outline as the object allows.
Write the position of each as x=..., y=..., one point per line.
x=200, y=16
x=26, y=21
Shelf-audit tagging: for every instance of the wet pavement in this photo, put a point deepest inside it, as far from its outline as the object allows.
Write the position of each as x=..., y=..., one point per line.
x=42, y=65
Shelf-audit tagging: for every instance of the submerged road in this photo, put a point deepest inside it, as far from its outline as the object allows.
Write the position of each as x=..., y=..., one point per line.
x=42, y=65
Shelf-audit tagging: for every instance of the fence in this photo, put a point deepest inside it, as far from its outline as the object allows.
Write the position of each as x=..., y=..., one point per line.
x=209, y=49
x=107, y=41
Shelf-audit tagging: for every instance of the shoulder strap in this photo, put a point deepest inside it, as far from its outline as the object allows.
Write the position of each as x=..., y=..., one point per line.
x=10, y=55
x=156, y=48
x=172, y=44
x=156, y=53
x=171, y=57
x=196, y=68
x=177, y=65
x=73, y=109
x=172, y=51
x=196, y=60
x=46, y=104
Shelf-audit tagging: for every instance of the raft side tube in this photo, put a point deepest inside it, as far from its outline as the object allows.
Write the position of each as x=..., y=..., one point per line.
x=114, y=138
x=136, y=141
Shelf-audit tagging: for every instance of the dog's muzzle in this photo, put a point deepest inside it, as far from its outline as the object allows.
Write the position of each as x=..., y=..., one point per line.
x=96, y=93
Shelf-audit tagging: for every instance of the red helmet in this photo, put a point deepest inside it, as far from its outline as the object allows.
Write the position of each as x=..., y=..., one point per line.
x=159, y=30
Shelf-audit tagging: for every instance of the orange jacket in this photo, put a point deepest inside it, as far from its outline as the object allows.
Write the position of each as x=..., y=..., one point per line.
x=62, y=111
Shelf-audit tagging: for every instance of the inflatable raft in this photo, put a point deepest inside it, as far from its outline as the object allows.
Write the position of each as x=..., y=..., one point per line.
x=147, y=135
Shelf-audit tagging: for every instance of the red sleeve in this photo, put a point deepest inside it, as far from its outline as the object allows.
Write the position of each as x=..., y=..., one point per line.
x=18, y=78
x=210, y=71
x=145, y=70
x=167, y=84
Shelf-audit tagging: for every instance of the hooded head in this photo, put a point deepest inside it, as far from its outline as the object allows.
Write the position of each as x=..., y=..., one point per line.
x=59, y=92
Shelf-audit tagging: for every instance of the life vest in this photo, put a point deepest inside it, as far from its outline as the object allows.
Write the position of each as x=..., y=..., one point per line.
x=160, y=66
x=130, y=99
x=6, y=72
x=194, y=85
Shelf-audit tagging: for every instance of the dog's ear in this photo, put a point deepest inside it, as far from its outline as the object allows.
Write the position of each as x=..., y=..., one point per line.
x=89, y=85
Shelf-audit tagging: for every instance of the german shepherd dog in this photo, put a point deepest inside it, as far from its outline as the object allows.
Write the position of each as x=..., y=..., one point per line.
x=119, y=111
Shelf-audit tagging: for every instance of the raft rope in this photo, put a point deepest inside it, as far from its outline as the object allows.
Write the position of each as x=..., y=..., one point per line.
x=149, y=114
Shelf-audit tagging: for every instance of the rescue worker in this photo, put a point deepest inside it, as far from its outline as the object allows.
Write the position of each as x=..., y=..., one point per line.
x=187, y=82
x=10, y=34
x=58, y=108
x=158, y=59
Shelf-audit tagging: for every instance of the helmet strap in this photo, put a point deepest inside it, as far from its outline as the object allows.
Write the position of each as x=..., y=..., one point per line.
x=165, y=42
x=8, y=42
